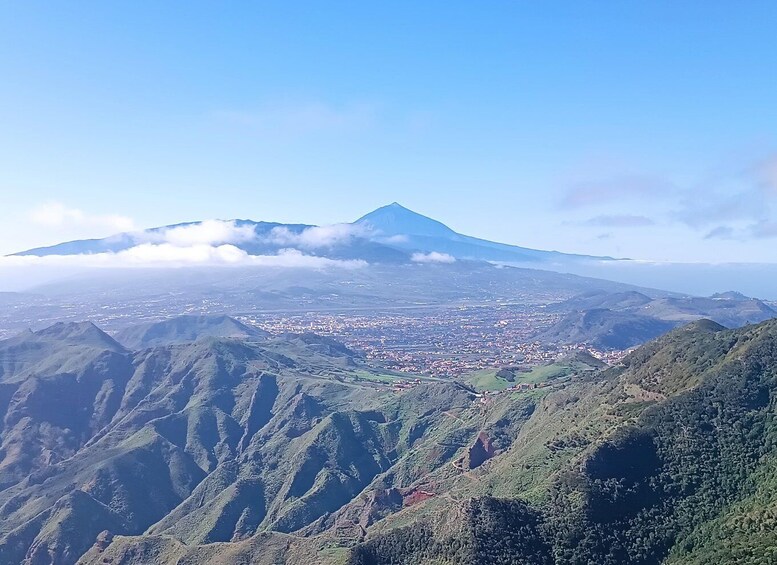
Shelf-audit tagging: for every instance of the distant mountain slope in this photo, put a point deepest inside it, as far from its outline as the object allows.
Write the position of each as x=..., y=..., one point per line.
x=618, y=320
x=112, y=297
x=53, y=349
x=726, y=311
x=605, y=329
x=389, y=234
x=394, y=219
x=402, y=228
x=123, y=241
x=182, y=329
x=268, y=238
x=599, y=298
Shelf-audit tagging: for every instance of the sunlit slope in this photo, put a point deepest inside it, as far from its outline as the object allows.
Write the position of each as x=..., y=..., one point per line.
x=668, y=457
x=279, y=450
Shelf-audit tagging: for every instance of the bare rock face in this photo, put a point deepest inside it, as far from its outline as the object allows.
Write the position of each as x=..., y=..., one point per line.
x=104, y=539
x=479, y=452
x=380, y=502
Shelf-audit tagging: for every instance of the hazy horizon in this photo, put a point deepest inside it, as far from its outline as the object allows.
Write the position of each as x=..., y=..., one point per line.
x=216, y=244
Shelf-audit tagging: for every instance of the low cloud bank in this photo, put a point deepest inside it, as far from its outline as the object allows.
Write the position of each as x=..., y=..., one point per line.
x=219, y=232
x=211, y=243
x=316, y=237
x=167, y=254
x=758, y=280
x=208, y=232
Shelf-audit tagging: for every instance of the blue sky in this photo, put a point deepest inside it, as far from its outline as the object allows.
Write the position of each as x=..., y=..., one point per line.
x=646, y=130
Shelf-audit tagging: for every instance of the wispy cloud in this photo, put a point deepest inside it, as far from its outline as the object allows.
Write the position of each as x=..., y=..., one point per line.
x=721, y=232
x=168, y=255
x=614, y=189
x=207, y=232
x=618, y=221
x=433, y=257
x=702, y=208
x=398, y=238
x=56, y=215
x=736, y=205
x=764, y=229
x=317, y=236
x=210, y=242
x=765, y=174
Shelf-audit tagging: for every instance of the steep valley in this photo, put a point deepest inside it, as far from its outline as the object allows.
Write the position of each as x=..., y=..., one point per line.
x=238, y=448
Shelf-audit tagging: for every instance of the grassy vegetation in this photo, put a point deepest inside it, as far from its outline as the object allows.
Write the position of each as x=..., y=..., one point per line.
x=386, y=376
x=487, y=379
x=688, y=479
x=222, y=451
x=492, y=379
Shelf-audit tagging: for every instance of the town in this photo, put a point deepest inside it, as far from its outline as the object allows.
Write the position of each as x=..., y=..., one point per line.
x=440, y=342
x=434, y=340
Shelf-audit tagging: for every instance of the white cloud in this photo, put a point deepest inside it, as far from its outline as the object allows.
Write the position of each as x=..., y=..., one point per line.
x=169, y=255
x=433, y=257
x=764, y=229
x=766, y=174
x=317, y=236
x=399, y=238
x=618, y=221
x=211, y=243
x=199, y=253
x=737, y=203
x=721, y=232
x=54, y=214
x=295, y=258
x=208, y=232
x=615, y=189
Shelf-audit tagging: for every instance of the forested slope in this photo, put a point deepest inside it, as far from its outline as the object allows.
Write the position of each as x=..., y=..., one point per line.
x=684, y=471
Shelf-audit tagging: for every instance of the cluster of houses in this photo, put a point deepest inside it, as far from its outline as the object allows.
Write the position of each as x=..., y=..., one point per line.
x=399, y=386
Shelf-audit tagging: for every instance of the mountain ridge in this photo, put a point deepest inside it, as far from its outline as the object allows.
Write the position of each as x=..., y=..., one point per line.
x=280, y=450
x=185, y=328
x=387, y=234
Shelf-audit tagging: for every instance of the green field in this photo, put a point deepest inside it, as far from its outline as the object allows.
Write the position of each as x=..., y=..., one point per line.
x=487, y=379
x=388, y=377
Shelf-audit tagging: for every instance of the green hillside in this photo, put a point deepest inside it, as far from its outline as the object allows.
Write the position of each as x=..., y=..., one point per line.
x=578, y=363
x=293, y=450
x=670, y=458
